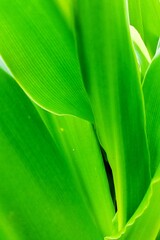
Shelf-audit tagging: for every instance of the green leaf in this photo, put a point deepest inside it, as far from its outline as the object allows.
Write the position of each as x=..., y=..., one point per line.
x=40, y=197
x=145, y=222
x=151, y=89
x=111, y=78
x=158, y=236
x=66, y=8
x=145, y=17
x=78, y=141
x=141, y=51
x=39, y=49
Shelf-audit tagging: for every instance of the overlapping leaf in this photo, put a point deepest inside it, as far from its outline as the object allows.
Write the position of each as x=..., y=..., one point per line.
x=145, y=17
x=151, y=89
x=78, y=141
x=40, y=197
x=47, y=193
x=145, y=223
x=40, y=51
x=111, y=79
x=141, y=51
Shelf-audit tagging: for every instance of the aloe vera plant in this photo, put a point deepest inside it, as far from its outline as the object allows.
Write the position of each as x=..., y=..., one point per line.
x=79, y=120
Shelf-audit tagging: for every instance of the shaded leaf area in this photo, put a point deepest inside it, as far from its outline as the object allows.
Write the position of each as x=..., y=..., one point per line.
x=158, y=236
x=145, y=17
x=39, y=49
x=77, y=139
x=40, y=197
x=111, y=78
x=110, y=177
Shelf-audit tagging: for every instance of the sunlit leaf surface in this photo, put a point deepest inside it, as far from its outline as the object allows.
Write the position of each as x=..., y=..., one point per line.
x=92, y=173
x=40, y=51
x=141, y=51
x=112, y=81
x=79, y=143
x=145, y=17
x=40, y=197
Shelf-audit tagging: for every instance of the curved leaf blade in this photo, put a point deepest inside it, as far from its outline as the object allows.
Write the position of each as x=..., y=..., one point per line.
x=39, y=193
x=79, y=143
x=141, y=51
x=145, y=17
x=145, y=222
x=40, y=51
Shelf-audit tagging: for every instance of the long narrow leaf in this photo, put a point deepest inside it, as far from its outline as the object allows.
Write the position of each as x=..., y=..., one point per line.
x=39, y=193
x=111, y=79
x=145, y=223
x=151, y=89
x=79, y=143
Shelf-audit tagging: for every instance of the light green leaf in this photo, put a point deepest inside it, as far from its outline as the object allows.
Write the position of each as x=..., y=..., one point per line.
x=158, y=46
x=78, y=141
x=145, y=17
x=66, y=7
x=151, y=89
x=145, y=222
x=111, y=78
x=40, y=197
x=141, y=51
x=40, y=51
